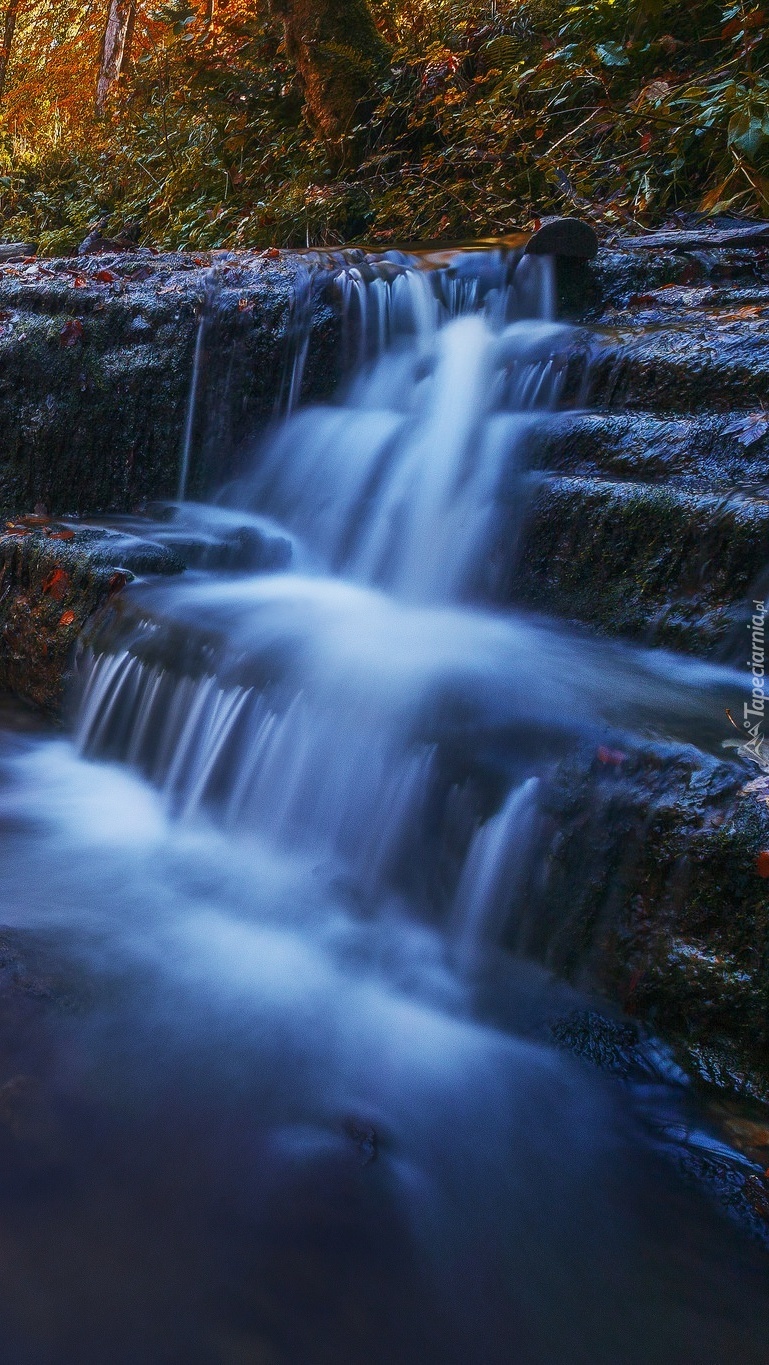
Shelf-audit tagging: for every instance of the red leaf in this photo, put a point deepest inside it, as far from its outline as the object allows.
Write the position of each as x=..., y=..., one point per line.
x=66, y=618
x=57, y=584
x=272, y=253
x=71, y=332
x=105, y=276
x=117, y=581
x=762, y=863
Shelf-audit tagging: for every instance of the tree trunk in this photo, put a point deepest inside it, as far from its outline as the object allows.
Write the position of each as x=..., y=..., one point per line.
x=9, y=28
x=115, y=48
x=338, y=54
x=209, y=14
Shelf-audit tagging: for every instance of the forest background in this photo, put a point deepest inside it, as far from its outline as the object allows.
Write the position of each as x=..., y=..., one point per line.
x=243, y=123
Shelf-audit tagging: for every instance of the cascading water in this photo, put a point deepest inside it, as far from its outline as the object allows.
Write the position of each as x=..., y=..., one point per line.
x=302, y=808
x=311, y=719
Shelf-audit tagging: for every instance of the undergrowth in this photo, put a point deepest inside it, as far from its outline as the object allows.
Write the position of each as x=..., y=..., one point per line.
x=494, y=113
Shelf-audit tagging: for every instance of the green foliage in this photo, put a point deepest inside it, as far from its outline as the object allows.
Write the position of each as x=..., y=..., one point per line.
x=494, y=113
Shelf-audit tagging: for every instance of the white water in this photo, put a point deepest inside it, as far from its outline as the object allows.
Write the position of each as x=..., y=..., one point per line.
x=301, y=811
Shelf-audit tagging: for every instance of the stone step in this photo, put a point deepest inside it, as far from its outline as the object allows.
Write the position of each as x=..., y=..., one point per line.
x=654, y=891
x=53, y=578
x=96, y=362
x=681, y=366
x=656, y=563
x=695, y=454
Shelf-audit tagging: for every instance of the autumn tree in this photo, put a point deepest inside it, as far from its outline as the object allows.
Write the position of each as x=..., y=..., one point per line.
x=338, y=54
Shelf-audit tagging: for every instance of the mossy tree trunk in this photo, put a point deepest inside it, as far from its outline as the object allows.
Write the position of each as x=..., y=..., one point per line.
x=339, y=56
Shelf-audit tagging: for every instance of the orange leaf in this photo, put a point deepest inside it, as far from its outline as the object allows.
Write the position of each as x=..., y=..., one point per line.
x=57, y=584
x=105, y=276
x=66, y=618
x=750, y=310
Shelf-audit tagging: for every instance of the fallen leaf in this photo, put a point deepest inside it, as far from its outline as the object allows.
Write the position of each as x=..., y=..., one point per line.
x=762, y=863
x=71, y=332
x=272, y=253
x=79, y=282
x=57, y=585
x=117, y=581
x=61, y=535
x=750, y=428
x=750, y=310
x=105, y=277
x=66, y=618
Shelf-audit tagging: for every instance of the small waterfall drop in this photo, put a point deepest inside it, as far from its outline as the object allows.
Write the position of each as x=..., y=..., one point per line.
x=191, y=414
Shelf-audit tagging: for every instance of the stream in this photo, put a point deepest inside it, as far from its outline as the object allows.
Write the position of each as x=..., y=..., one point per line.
x=298, y=1100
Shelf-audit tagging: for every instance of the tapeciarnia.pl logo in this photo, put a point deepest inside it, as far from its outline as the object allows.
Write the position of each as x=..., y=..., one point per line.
x=753, y=711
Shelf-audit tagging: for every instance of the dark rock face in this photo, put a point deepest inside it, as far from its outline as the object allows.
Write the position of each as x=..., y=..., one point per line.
x=653, y=893
x=96, y=362
x=643, y=560
x=52, y=580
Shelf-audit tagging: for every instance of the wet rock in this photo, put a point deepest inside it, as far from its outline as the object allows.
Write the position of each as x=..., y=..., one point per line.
x=648, y=517
x=53, y=578
x=96, y=244
x=569, y=238
x=651, y=895
x=365, y=1138
x=696, y=453
x=613, y=1045
x=16, y=251
x=689, y=239
x=96, y=425
x=642, y=560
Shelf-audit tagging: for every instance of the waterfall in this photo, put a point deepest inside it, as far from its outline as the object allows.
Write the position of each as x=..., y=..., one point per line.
x=308, y=715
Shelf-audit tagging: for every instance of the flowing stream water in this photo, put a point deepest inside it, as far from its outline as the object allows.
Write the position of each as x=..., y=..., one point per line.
x=298, y=1106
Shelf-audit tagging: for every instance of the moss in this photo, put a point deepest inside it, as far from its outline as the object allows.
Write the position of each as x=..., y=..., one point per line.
x=652, y=895
x=640, y=560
